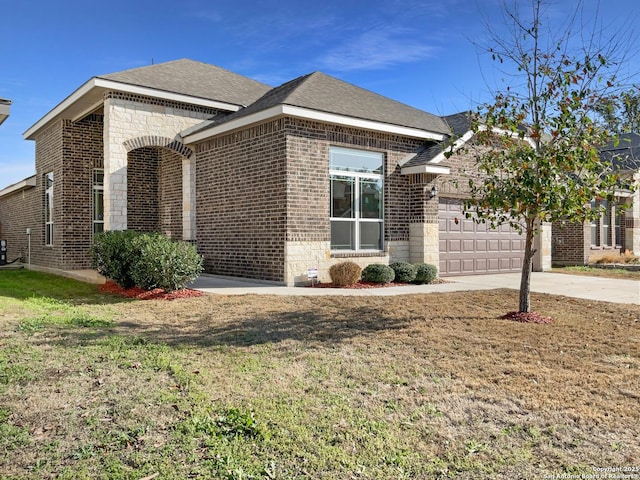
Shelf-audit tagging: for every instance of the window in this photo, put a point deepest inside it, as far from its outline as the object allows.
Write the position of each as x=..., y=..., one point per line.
x=606, y=231
x=98, y=200
x=356, y=199
x=48, y=209
x=594, y=226
x=617, y=232
x=606, y=224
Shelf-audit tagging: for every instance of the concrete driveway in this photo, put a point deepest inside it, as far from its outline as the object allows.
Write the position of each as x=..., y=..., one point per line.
x=591, y=288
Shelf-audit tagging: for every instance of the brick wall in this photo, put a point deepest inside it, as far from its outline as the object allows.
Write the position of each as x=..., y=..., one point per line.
x=18, y=211
x=264, y=191
x=241, y=202
x=571, y=243
x=142, y=190
x=83, y=153
x=170, y=194
x=49, y=155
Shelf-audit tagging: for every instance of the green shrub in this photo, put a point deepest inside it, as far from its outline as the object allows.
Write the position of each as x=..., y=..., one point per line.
x=378, y=273
x=145, y=260
x=405, y=272
x=112, y=254
x=345, y=273
x=163, y=263
x=426, y=273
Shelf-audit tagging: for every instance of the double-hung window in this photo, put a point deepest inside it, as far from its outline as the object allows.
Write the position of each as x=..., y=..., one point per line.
x=98, y=200
x=356, y=199
x=48, y=209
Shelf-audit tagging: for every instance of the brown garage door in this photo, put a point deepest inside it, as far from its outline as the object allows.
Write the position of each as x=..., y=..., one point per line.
x=469, y=248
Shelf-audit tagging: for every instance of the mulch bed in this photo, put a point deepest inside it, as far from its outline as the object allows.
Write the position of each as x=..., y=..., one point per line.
x=155, y=294
x=526, y=317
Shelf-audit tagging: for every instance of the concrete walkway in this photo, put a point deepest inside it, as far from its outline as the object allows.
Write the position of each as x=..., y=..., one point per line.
x=591, y=288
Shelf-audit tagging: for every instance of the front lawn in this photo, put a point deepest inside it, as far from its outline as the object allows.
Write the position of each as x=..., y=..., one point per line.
x=269, y=387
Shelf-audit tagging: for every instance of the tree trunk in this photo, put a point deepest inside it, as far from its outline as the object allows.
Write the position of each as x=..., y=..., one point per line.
x=527, y=264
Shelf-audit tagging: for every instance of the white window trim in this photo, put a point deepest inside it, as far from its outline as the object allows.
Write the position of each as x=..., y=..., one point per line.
x=96, y=187
x=48, y=221
x=356, y=220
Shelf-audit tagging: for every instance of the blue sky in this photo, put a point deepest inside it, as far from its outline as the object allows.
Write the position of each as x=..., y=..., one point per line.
x=419, y=52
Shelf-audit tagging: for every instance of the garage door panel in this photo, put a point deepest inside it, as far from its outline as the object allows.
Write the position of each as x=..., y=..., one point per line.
x=493, y=245
x=467, y=247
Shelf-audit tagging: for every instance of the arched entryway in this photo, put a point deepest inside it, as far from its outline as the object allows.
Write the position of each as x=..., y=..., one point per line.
x=159, y=187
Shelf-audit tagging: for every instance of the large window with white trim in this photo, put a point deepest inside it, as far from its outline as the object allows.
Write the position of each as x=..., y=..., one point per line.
x=357, y=193
x=48, y=209
x=98, y=200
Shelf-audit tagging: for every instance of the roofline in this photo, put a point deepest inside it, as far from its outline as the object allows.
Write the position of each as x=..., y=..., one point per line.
x=97, y=82
x=21, y=185
x=309, y=114
x=5, y=109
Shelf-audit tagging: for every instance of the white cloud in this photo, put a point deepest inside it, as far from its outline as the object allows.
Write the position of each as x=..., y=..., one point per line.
x=377, y=50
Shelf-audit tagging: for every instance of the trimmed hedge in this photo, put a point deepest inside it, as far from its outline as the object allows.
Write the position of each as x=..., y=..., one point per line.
x=345, y=273
x=145, y=260
x=378, y=273
x=405, y=272
x=426, y=273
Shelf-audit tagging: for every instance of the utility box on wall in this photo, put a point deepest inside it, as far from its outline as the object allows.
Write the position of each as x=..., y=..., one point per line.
x=3, y=252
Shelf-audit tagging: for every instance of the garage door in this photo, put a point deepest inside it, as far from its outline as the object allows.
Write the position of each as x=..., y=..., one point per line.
x=469, y=248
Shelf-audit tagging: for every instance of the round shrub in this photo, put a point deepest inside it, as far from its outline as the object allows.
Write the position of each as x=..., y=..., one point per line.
x=345, y=273
x=164, y=263
x=405, y=272
x=378, y=273
x=425, y=273
x=112, y=254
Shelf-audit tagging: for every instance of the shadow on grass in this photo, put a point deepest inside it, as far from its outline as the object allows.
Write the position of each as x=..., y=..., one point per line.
x=305, y=326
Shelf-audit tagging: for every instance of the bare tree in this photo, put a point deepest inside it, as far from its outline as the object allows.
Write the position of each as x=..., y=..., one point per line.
x=539, y=159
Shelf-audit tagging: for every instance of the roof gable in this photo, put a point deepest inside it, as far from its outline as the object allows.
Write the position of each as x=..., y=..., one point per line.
x=323, y=93
x=195, y=79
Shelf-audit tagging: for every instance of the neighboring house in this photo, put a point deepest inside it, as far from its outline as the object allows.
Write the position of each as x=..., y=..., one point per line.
x=614, y=231
x=5, y=107
x=267, y=182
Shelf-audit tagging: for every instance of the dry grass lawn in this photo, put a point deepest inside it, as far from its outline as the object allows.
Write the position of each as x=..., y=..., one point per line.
x=418, y=386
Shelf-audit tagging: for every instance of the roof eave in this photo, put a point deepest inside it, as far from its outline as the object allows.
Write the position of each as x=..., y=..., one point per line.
x=97, y=85
x=310, y=114
x=28, y=182
x=5, y=108
x=428, y=168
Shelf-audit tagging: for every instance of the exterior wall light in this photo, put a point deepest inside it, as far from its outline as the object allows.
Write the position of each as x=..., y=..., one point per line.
x=433, y=192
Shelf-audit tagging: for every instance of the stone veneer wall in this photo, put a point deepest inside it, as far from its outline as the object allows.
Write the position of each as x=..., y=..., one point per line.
x=128, y=117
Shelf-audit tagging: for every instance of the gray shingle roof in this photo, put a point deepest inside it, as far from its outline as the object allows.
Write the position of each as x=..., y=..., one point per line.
x=321, y=92
x=626, y=154
x=460, y=123
x=196, y=79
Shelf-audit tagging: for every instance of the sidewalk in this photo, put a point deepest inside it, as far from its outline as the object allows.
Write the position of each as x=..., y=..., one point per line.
x=591, y=288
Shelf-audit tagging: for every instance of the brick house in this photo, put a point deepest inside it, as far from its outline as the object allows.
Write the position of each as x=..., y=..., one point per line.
x=267, y=182
x=614, y=231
